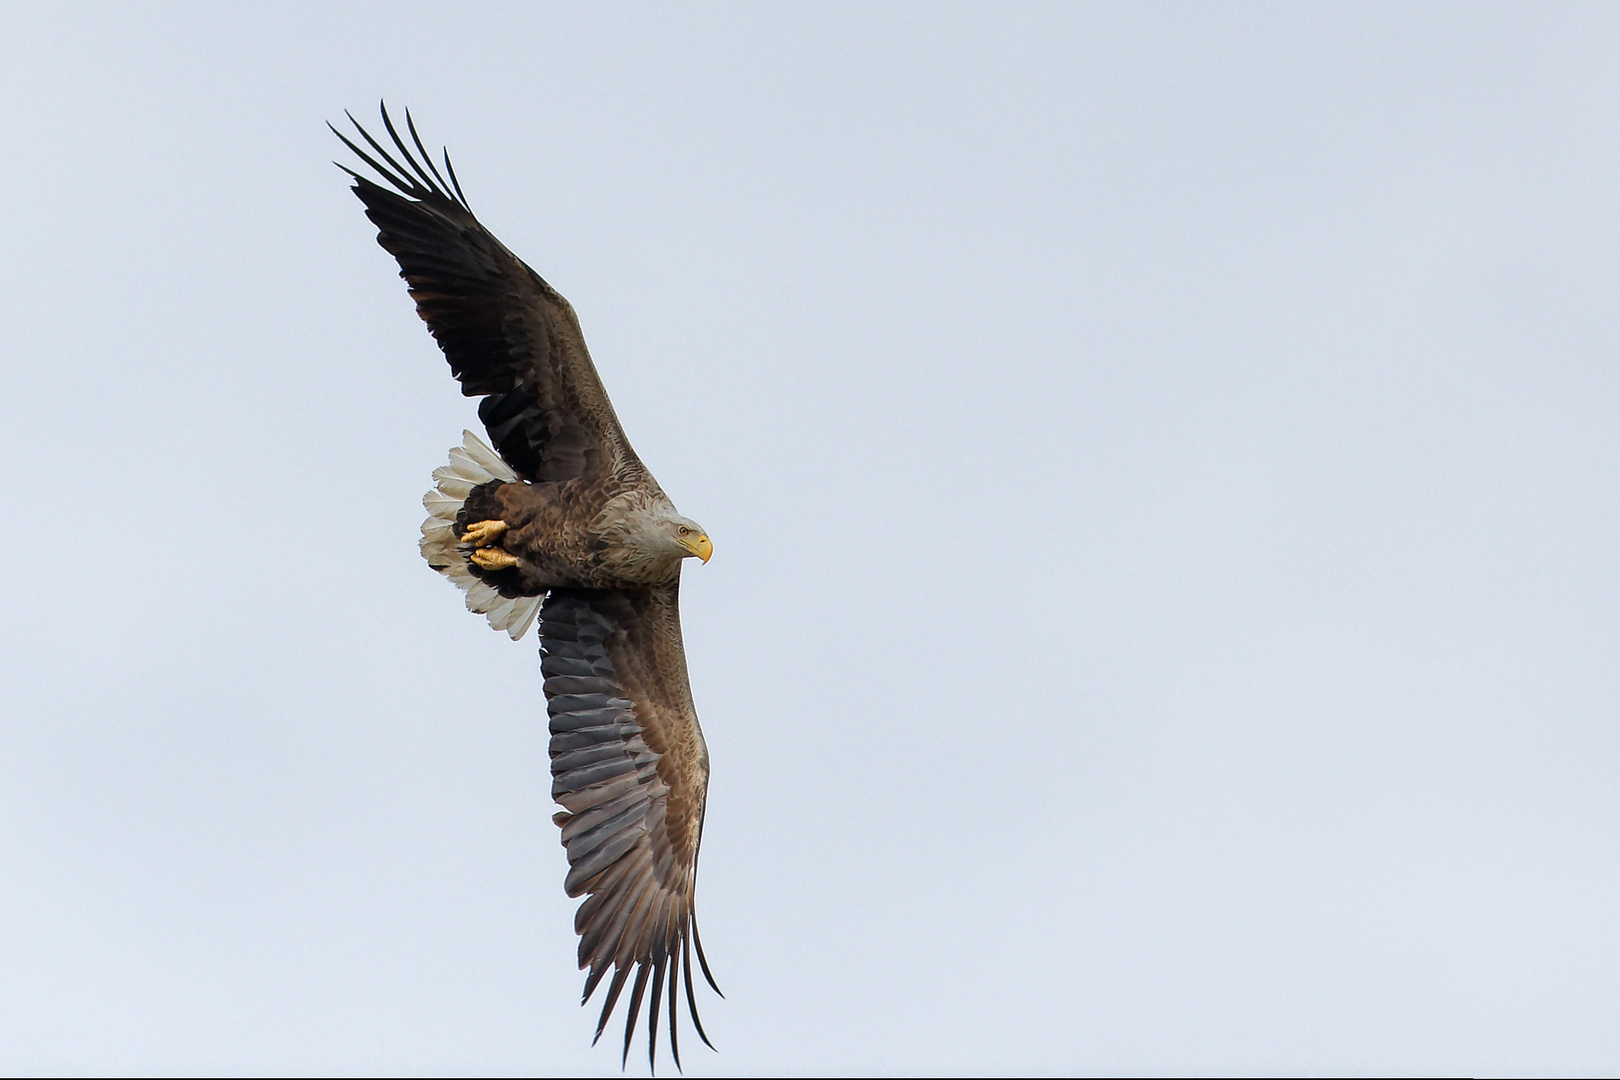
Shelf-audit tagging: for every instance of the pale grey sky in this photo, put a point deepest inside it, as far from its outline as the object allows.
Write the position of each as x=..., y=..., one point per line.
x=1163, y=466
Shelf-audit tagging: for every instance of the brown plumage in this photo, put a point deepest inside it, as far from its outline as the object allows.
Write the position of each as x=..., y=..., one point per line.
x=567, y=520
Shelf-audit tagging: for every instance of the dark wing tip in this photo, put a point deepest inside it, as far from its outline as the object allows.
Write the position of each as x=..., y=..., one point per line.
x=657, y=971
x=636, y=992
x=652, y=1014
x=408, y=174
x=614, y=987
x=427, y=158
x=703, y=961
x=674, y=1037
x=691, y=996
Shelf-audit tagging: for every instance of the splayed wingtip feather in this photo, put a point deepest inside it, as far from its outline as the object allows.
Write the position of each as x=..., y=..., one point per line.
x=691, y=994
x=634, y=1014
x=652, y=1015
x=614, y=987
x=674, y=1011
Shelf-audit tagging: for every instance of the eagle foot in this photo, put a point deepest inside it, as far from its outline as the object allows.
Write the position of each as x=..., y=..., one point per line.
x=493, y=558
x=481, y=534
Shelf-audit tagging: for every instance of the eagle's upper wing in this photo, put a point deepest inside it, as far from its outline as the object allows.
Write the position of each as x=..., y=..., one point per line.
x=506, y=333
x=629, y=764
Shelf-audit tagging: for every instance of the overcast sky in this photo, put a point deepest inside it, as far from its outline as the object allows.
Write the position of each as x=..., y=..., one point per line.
x=1164, y=470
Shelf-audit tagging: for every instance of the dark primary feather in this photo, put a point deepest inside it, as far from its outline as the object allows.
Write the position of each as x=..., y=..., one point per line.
x=510, y=337
x=629, y=765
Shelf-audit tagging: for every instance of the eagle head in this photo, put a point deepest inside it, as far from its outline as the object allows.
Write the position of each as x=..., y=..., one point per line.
x=646, y=539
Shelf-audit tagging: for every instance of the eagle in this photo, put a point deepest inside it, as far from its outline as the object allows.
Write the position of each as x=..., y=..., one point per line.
x=557, y=517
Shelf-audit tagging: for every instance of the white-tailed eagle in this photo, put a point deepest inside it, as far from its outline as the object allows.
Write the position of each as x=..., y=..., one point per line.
x=561, y=519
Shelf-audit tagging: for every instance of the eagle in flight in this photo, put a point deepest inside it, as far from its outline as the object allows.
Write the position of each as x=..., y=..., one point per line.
x=561, y=519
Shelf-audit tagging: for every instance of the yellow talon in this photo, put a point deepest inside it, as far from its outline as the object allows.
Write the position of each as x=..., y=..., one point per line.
x=483, y=533
x=493, y=558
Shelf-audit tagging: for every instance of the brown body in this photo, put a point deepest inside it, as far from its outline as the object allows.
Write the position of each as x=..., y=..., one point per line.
x=548, y=528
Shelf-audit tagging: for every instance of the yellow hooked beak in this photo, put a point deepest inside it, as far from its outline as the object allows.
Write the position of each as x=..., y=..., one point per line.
x=698, y=545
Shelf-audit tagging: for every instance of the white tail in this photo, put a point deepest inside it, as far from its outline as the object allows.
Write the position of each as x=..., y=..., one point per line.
x=472, y=463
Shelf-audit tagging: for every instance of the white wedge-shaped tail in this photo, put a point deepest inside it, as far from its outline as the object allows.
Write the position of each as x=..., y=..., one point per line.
x=471, y=464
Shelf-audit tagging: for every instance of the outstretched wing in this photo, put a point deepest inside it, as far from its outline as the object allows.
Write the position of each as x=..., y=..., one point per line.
x=630, y=768
x=509, y=336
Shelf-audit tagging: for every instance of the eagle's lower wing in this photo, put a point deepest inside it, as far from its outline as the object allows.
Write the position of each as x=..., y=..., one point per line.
x=509, y=336
x=630, y=768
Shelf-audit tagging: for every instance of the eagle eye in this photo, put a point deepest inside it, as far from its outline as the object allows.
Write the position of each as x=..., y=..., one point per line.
x=685, y=531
